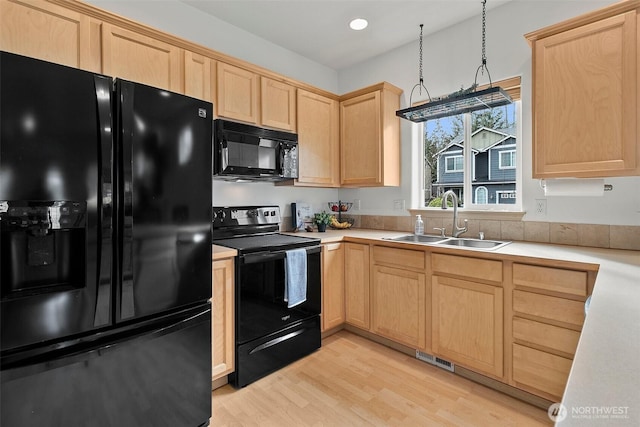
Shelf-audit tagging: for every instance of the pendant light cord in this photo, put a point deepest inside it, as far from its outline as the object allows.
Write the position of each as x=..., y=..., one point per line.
x=420, y=63
x=420, y=84
x=483, y=65
x=484, y=33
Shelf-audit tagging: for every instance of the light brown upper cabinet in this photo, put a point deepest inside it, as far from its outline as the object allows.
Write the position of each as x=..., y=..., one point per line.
x=318, y=140
x=199, y=76
x=141, y=59
x=586, y=94
x=237, y=94
x=277, y=104
x=370, y=137
x=49, y=32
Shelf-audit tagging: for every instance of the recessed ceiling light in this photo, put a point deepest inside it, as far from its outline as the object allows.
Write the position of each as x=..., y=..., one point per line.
x=358, y=24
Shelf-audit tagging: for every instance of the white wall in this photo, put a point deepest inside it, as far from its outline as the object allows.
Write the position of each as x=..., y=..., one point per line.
x=450, y=58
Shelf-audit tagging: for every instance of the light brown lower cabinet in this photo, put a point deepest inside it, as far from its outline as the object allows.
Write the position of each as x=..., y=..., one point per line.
x=547, y=317
x=398, y=305
x=222, y=324
x=540, y=371
x=332, y=285
x=356, y=284
x=399, y=295
x=467, y=324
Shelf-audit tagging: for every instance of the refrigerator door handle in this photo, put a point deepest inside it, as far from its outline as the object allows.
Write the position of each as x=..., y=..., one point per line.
x=102, y=312
x=125, y=187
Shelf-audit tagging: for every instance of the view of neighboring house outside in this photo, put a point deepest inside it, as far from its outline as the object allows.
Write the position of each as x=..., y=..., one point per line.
x=493, y=167
x=492, y=175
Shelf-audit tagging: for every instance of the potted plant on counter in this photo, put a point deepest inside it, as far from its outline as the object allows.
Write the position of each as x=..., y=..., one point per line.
x=322, y=219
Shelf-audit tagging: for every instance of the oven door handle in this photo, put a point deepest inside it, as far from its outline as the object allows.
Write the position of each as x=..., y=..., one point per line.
x=278, y=340
x=267, y=256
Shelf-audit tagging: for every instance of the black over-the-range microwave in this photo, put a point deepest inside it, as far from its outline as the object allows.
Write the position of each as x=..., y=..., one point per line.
x=245, y=152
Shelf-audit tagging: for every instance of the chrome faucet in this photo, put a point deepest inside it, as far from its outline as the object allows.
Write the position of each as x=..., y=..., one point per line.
x=456, y=231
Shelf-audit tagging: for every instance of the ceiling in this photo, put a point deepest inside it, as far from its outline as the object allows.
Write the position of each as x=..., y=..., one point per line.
x=319, y=29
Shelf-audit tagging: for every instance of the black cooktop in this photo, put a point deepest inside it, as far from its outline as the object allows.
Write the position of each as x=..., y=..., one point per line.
x=266, y=242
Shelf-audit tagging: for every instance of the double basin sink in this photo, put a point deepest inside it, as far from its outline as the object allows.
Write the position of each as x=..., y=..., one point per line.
x=458, y=242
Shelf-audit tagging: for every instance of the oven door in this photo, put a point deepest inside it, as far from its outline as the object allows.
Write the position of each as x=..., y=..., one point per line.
x=260, y=282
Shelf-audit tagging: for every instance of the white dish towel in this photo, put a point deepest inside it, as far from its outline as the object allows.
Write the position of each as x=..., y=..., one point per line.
x=295, y=277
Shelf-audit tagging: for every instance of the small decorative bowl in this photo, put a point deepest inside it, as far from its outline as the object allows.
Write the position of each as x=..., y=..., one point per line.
x=342, y=207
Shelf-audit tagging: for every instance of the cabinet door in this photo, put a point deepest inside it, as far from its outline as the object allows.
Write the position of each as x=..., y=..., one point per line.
x=586, y=100
x=361, y=140
x=318, y=140
x=237, y=93
x=141, y=59
x=49, y=32
x=398, y=299
x=277, y=104
x=332, y=285
x=198, y=76
x=222, y=324
x=467, y=324
x=356, y=283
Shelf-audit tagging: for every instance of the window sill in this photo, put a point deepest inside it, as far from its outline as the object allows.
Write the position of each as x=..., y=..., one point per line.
x=469, y=214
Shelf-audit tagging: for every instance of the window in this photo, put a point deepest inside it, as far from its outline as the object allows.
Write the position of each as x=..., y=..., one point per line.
x=505, y=197
x=507, y=159
x=476, y=156
x=454, y=163
x=481, y=196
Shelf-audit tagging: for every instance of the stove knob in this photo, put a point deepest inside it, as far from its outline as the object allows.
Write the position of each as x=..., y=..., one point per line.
x=252, y=213
x=220, y=215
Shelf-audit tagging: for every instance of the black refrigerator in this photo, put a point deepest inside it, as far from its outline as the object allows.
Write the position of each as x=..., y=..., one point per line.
x=105, y=248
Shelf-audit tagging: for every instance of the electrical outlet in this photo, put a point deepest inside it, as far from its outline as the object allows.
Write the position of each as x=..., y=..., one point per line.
x=541, y=206
x=398, y=205
x=356, y=205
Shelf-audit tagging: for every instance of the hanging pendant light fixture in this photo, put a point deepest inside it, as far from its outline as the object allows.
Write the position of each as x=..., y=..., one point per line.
x=462, y=101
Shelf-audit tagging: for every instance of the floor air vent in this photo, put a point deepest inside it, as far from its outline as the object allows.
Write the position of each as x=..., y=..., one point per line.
x=436, y=361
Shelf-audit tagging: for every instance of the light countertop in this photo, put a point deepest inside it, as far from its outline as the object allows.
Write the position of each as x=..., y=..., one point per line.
x=222, y=252
x=604, y=384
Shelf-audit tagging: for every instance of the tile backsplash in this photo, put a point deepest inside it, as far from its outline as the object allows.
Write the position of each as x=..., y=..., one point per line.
x=593, y=235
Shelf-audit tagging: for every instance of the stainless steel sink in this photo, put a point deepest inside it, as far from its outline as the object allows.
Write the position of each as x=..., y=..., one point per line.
x=473, y=243
x=413, y=238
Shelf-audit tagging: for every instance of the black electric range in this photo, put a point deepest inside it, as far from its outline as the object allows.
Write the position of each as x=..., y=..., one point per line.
x=270, y=332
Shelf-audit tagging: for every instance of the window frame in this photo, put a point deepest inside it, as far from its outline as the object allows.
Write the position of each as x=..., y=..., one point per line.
x=455, y=157
x=514, y=157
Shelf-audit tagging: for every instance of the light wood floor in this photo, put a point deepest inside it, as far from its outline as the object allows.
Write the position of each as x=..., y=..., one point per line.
x=352, y=381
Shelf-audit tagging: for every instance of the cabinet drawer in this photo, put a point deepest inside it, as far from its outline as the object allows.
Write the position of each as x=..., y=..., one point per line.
x=462, y=266
x=547, y=307
x=550, y=279
x=552, y=337
x=404, y=258
x=540, y=370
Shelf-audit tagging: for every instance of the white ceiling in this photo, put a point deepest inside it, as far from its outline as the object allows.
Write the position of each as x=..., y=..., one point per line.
x=319, y=29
